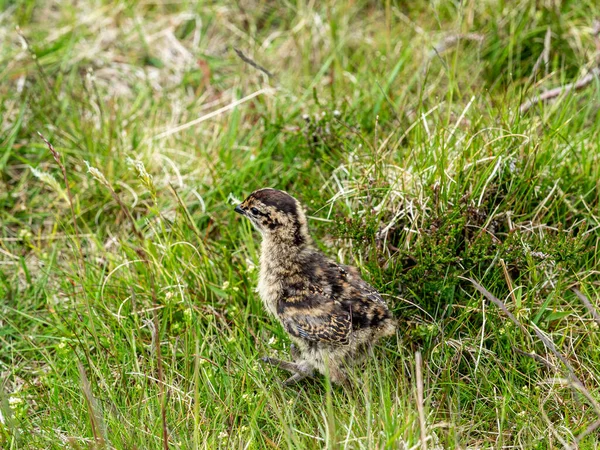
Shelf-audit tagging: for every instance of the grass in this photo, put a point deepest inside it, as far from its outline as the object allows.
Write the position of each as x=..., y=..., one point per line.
x=129, y=317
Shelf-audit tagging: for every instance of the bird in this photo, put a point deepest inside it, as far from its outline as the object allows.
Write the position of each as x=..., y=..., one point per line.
x=332, y=316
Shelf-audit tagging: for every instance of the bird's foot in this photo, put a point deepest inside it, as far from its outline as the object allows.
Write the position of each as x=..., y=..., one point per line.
x=286, y=365
x=295, y=378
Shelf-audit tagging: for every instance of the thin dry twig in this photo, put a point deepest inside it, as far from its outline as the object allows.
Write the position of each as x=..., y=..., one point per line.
x=537, y=358
x=576, y=86
x=553, y=93
x=252, y=63
x=550, y=346
x=497, y=302
x=589, y=430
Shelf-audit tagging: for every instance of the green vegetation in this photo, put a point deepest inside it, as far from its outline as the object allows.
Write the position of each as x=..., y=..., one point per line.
x=128, y=316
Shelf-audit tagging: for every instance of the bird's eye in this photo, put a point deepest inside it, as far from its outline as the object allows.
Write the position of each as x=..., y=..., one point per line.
x=254, y=211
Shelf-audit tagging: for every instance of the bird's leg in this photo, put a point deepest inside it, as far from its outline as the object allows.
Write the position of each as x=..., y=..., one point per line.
x=299, y=370
x=286, y=365
x=294, y=352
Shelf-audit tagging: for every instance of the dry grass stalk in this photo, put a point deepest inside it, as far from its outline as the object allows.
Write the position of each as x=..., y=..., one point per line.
x=573, y=380
x=56, y=157
x=99, y=176
x=544, y=56
x=420, y=407
x=93, y=410
x=267, y=90
x=588, y=305
x=161, y=384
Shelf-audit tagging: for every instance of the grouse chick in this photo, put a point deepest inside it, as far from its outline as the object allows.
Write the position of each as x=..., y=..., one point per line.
x=331, y=314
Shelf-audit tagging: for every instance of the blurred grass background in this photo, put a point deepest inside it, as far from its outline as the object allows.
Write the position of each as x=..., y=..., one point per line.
x=128, y=317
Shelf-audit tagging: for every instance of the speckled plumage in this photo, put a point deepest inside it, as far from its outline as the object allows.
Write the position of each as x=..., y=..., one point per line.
x=331, y=314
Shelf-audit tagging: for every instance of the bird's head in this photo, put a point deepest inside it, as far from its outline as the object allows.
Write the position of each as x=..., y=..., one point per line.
x=277, y=215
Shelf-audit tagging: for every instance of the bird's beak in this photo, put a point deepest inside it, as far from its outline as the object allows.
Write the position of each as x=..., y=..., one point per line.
x=239, y=210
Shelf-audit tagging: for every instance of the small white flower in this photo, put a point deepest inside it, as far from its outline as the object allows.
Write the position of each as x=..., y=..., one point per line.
x=225, y=285
x=272, y=340
x=13, y=400
x=223, y=435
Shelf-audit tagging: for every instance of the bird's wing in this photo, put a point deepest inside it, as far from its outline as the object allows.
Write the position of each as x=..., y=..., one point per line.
x=328, y=322
x=328, y=308
x=363, y=289
x=368, y=308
